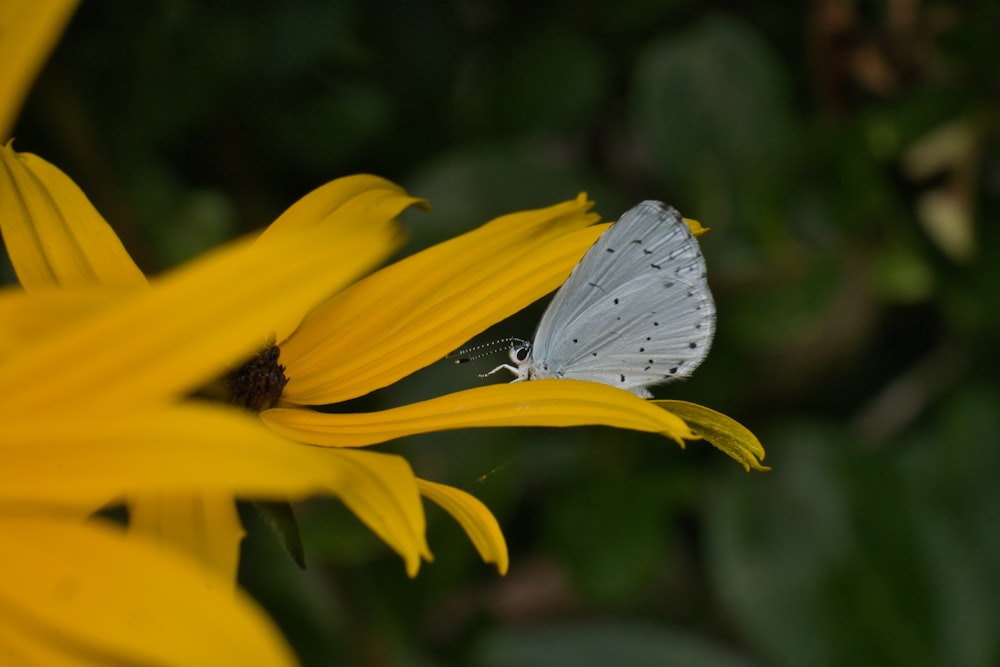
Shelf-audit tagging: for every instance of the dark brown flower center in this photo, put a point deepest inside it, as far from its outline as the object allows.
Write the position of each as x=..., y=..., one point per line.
x=257, y=384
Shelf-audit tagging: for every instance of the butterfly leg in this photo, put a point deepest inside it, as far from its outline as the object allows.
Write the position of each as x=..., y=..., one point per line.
x=501, y=367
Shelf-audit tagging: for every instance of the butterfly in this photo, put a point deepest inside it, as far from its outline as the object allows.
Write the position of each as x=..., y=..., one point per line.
x=635, y=312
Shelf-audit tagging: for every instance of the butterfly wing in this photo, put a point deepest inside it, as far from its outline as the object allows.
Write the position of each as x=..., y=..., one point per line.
x=636, y=311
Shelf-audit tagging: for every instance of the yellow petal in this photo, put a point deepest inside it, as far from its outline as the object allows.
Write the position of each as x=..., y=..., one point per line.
x=54, y=235
x=477, y=521
x=724, y=433
x=383, y=492
x=415, y=311
x=29, y=29
x=88, y=458
x=29, y=317
x=696, y=227
x=205, y=526
x=536, y=403
x=192, y=324
x=81, y=590
x=341, y=206
x=344, y=203
x=73, y=456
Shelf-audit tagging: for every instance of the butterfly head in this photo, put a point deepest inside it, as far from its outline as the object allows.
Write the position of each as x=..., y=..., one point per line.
x=520, y=352
x=523, y=365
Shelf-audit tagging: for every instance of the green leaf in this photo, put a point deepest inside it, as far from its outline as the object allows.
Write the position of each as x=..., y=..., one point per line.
x=595, y=644
x=848, y=555
x=611, y=531
x=280, y=518
x=553, y=80
x=712, y=106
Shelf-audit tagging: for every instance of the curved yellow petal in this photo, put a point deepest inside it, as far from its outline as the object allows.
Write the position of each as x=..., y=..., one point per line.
x=344, y=203
x=29, y=29
x=206, y=526
x=696, y=227
x=382, y=491
x=87, y=458
x=78, y=590
x=536, y=403
x=415, y=311
x=192, y=324
x=474, y=517
x=342, y=206
x=53, y=234
x=724, y=433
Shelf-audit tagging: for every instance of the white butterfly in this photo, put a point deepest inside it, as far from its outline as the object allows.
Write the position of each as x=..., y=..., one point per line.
x=635, y=312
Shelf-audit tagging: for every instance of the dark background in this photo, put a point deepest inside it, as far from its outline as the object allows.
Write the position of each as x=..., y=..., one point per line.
x=844, y=156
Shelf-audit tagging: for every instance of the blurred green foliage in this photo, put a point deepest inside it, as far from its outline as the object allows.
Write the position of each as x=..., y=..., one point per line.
x=844, y=155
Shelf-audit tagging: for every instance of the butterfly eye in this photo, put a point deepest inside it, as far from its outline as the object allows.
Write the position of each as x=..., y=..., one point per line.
x=520, y=352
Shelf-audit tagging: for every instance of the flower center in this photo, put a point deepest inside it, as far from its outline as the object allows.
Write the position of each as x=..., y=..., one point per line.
x=257, y=384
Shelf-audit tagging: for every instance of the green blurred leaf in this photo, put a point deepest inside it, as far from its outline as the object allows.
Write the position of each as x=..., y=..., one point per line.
x=845, y=556
x=902, y=275
x=612, y=532
x=712, y=106
x=553, y=80
x=336, y=536
x=339, y=124
x=770, y=541
x=632, y=15
x=280, y=519
x=600, y=645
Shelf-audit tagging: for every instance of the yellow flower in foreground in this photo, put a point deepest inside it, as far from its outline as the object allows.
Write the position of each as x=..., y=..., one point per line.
x=57, y=239
x=428, y=304
x=99, y=360
x=90, y=415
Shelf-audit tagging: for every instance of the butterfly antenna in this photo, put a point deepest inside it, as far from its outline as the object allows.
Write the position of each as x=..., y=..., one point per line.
x=467, y=354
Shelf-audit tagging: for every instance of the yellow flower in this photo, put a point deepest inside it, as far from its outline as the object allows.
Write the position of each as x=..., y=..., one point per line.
x=91, y=415
x=56, y=238
x=428, y=304
x=79, y=591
